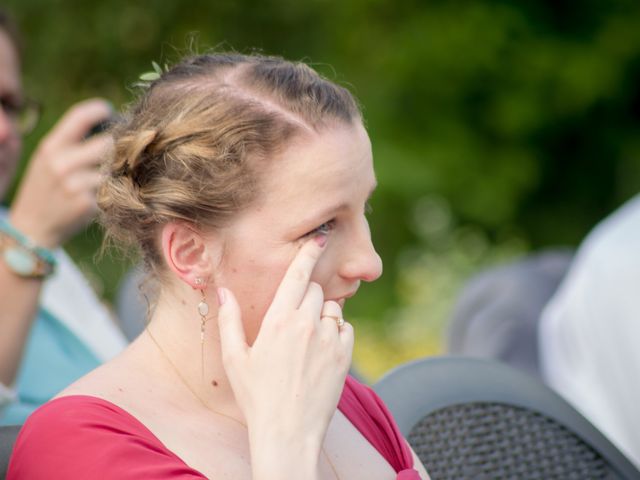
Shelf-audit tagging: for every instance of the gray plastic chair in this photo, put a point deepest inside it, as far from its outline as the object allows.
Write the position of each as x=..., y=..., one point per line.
x=470, y=418
x=8, y=435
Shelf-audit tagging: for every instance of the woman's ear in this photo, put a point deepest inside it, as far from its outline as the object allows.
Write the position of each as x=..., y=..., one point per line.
x=186, y=253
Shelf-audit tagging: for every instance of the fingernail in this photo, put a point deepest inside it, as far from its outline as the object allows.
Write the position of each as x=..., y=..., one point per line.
x=321, y=239
x=222, y=296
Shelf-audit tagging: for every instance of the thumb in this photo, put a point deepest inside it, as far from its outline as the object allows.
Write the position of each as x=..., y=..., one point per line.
x=233, y=341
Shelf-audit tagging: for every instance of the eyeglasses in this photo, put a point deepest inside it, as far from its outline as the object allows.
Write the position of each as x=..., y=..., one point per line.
x=24, y=114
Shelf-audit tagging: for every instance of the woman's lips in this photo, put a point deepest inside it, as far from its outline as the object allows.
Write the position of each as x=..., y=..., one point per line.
x=342, y=300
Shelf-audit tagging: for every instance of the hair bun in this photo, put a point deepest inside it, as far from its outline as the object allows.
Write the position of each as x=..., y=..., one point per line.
x=131, y=149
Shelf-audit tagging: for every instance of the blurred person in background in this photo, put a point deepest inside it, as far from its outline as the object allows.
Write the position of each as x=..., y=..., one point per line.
x=572, y=320
x=53, y=329
x=589, y=333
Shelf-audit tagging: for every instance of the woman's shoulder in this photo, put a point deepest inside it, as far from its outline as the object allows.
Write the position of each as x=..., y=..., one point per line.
x=77, y=414
x=82, y=436
x=76, y=425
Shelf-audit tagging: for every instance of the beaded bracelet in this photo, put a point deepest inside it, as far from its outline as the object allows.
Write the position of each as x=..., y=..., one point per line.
x=43, y=254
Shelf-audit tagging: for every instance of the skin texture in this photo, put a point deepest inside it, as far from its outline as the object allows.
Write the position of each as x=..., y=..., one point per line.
x=272, y=361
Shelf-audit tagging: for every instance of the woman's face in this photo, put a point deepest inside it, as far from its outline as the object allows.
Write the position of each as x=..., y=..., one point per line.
x=318, y=185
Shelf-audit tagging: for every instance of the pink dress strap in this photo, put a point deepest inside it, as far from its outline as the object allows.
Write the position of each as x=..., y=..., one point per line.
x=368, y=413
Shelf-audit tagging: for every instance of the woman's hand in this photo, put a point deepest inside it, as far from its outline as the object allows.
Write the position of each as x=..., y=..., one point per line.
x=288, y=383
x=57, y=195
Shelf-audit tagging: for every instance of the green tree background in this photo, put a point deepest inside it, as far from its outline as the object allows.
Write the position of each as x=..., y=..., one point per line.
x=498, y=126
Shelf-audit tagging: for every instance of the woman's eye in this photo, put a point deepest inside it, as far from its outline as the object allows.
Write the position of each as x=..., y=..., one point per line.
x=323, y=229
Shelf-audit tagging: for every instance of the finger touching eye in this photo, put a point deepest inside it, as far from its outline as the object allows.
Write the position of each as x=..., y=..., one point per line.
x=323, y=229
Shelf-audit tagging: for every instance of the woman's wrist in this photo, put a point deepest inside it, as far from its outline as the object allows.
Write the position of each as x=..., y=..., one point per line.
x=284, y=464
x=276, y=455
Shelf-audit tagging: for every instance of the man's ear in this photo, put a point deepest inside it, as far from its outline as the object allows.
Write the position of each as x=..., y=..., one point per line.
x=186, y=253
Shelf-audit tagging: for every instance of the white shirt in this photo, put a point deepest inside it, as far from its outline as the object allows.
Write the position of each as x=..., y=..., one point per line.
x=590, y=330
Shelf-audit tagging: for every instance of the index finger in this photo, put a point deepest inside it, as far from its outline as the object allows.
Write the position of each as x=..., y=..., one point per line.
x=77, y=121
x=295, y=282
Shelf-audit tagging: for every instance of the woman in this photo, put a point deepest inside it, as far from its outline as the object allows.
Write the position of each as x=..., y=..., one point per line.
x=244, y=181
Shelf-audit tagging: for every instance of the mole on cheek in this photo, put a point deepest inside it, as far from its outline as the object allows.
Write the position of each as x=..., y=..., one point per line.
x=234, y=270
x=214, y=383
x=183, y=302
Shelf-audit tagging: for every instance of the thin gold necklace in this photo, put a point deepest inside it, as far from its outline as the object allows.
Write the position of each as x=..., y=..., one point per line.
x=204, y=404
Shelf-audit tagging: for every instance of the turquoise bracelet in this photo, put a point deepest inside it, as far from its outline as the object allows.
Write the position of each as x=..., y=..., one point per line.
x=44, y=253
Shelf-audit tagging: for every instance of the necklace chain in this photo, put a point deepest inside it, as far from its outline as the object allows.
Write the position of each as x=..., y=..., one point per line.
x=204, y=404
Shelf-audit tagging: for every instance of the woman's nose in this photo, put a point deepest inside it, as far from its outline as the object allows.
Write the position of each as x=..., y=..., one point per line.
x=361, y=261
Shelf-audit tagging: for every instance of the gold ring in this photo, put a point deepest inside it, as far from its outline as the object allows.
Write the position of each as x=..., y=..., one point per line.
x=339, y=320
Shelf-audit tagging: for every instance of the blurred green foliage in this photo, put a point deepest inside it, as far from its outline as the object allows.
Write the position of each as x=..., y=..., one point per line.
x=522, y=117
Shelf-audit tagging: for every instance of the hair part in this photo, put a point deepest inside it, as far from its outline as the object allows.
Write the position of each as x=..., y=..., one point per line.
x=193, y=147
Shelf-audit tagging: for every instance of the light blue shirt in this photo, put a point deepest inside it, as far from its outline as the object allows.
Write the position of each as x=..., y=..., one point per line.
x=53, y=358
x=72, y=334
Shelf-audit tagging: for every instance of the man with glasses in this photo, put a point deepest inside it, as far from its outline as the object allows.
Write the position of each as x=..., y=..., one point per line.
x=52, y=327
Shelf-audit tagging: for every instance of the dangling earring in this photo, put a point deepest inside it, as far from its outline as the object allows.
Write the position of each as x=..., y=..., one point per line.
x=203, y=311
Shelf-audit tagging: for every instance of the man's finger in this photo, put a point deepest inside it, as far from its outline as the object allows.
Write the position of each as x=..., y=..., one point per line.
x=77, y=122
x=92, y=152
x=84, y=181
x=83, y=156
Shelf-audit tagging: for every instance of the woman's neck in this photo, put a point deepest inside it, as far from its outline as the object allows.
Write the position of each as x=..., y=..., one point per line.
x=175, y=330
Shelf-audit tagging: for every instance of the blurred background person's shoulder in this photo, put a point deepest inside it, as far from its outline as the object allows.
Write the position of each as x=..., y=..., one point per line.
x=590, y=330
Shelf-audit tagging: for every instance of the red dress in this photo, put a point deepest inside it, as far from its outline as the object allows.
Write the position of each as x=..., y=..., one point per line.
x=85, y=437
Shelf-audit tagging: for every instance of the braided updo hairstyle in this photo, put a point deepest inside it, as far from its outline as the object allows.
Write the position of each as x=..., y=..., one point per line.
x=192, y=147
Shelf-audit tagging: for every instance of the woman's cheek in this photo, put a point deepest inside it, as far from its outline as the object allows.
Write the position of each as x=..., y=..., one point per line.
x=259, y=288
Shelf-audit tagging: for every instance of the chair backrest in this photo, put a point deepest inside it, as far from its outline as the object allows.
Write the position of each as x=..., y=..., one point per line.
x=8, y=435
x=470, y=418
